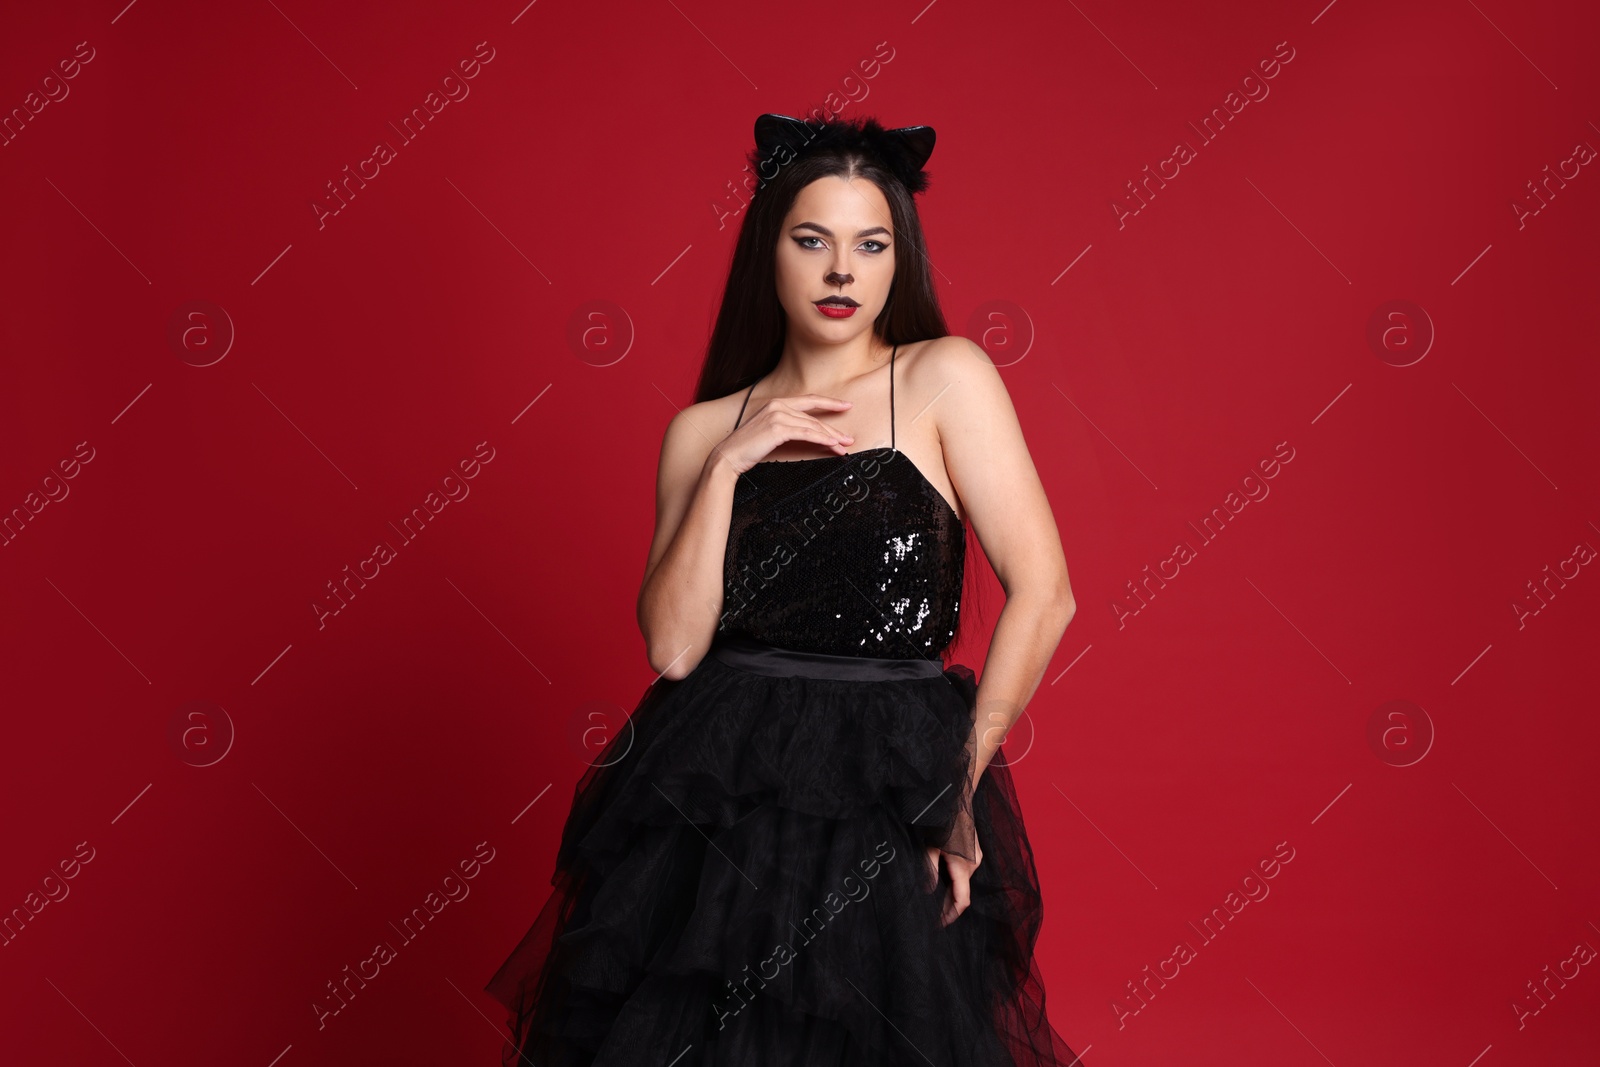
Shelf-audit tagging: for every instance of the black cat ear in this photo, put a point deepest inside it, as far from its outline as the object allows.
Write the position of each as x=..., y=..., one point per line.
x=915, y=141
x=774, y=130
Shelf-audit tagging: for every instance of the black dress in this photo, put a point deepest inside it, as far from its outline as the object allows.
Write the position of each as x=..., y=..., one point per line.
x=743, y=877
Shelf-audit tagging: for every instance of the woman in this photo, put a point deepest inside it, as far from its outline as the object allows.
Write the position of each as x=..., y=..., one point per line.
x=806, y=848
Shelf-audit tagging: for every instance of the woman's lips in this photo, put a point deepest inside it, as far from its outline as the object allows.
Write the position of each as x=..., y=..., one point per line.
x=836, y=311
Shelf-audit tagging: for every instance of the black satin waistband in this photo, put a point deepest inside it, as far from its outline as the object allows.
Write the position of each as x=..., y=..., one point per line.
x=758, y=657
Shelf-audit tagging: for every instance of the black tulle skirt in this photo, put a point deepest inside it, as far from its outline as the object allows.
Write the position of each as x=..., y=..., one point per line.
x=743, y=879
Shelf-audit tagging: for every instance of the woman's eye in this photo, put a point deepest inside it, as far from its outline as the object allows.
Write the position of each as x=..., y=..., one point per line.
x=880, y=245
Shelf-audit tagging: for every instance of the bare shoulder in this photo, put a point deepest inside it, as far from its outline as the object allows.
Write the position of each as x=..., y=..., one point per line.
x=959, y=381
x=695, y=430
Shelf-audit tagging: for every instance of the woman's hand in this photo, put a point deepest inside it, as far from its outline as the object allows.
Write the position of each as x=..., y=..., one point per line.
x=959, y=866
x=960, y=895
x=783, y=418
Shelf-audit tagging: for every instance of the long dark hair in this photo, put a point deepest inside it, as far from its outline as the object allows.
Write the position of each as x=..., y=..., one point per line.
x=747, y=340
x=748, y=337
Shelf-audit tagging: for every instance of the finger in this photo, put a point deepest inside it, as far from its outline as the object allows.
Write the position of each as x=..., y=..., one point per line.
x=816, y=434
x=827, y=435
x=960, y=890
x=807, y=428
x=813, y=401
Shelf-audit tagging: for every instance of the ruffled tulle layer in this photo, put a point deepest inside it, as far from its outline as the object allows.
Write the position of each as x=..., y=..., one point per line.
x=743, y=879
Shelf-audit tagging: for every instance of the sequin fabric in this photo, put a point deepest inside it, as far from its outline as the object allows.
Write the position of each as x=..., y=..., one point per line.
x=853, y=555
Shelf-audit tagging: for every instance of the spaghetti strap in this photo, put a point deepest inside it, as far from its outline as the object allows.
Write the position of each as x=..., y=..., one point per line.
x=891, y=394
x=747, y=393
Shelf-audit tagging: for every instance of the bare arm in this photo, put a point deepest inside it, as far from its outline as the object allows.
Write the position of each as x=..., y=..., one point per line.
x=994, y=475
x=680, y=598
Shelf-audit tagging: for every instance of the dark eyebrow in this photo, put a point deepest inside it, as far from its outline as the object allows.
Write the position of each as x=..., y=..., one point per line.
x=829, y=233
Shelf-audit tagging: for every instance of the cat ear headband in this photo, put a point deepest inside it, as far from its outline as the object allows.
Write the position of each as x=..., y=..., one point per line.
x=904, y=149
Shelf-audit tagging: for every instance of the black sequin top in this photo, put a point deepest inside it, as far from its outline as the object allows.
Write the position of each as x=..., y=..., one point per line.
x=852, y=555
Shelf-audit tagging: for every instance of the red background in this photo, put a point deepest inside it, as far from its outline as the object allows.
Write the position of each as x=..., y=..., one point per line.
x=1167, y=752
